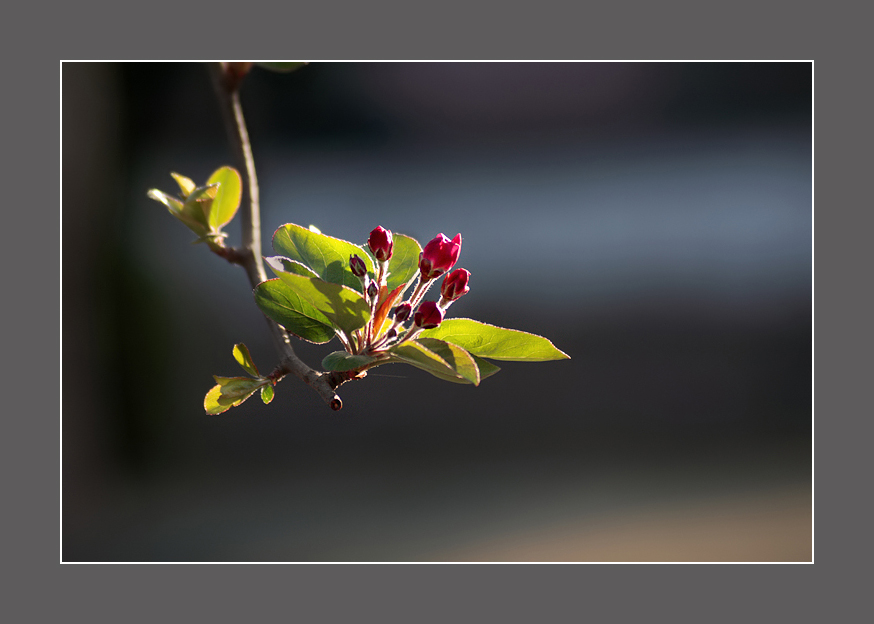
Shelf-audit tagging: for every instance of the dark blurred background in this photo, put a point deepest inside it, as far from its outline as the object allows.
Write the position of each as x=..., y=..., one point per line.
x=654, y=220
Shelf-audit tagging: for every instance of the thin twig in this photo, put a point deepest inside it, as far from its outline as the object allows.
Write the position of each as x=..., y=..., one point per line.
x=249, y=256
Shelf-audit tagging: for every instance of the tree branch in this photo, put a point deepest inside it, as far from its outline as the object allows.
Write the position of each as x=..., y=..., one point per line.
x=226, y=86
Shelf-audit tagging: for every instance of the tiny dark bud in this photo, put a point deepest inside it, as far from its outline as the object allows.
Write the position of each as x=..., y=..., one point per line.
x=356, y=264
x=402, y=312
x=372, y=289
x=336, y=404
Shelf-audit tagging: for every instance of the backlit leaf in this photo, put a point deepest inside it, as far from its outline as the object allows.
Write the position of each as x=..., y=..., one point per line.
x=230, y=392
x=227, y=198
x=342, y=306
x=241, y=354
x=186, y=185
x=327, y=256
x=294, y=312
x=404, y=262
x=496, y=343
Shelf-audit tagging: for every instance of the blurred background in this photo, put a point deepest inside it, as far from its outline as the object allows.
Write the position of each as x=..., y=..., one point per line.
x=654, y=220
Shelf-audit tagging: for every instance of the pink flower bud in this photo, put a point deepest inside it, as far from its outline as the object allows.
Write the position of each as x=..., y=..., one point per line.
x=380, y=243
x=402, y=312
x=356, y=264
x=439, y=256
x=428, y=316
x=455, y=284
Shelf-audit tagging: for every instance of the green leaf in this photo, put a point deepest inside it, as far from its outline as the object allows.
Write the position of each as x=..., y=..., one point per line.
x=343, y=307
x=295, y=313
x=241, y=354
x=267, y=393
x=418, y=355
x=342, y=361
x=486, y=368
x=186, y=185
x=280, y=264
x=282, y=67
x=404, y=262
x=326, y=255
x=495, y=343
x=457, y=358
x=236, y=387
x=230, y=392
x=227, y=198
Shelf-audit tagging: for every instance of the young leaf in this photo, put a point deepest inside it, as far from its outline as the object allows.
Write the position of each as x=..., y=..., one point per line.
x=343, y=307
x=404, y=262
x=241, y=354
x=227, y=198
x=230, y=392
x=495, y=343
x=295, y=313
x=327, y=256
x=186, y=185
x=198, y=204
x=381, y=316
x=267, y=393
x=175, y=207
x=342, y=361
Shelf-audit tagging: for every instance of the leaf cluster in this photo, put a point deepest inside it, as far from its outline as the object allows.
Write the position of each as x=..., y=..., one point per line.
x=231, y=391
x=206, y=209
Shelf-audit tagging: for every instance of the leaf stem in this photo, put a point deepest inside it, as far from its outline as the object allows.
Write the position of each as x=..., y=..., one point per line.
x=249, y=256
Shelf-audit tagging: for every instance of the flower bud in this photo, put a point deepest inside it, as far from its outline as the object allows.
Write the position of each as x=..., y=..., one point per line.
x=439, y=255
x=356, y=264
x=428, y=316
x=380, y=243
x=372, y=289
x=455, y=284
x=402, y=312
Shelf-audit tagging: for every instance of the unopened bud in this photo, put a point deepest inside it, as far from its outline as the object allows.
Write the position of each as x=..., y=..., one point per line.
x=428, y=316
x=439, y=255
x=356, y=264
x=455, y=284
x=372, y=289
x=402, y=312
x=381, y=243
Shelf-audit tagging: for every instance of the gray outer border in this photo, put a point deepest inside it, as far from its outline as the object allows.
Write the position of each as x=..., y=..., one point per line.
x=395, y=32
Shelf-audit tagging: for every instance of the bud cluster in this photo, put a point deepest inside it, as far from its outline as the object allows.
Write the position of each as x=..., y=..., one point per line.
x=436, y=259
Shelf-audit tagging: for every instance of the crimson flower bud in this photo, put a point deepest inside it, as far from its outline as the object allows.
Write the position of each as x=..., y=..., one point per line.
x=428, y=316
x=380, y=243
x=439, y=256
x=402, y=312
x=455, y=284
x=356, y=264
